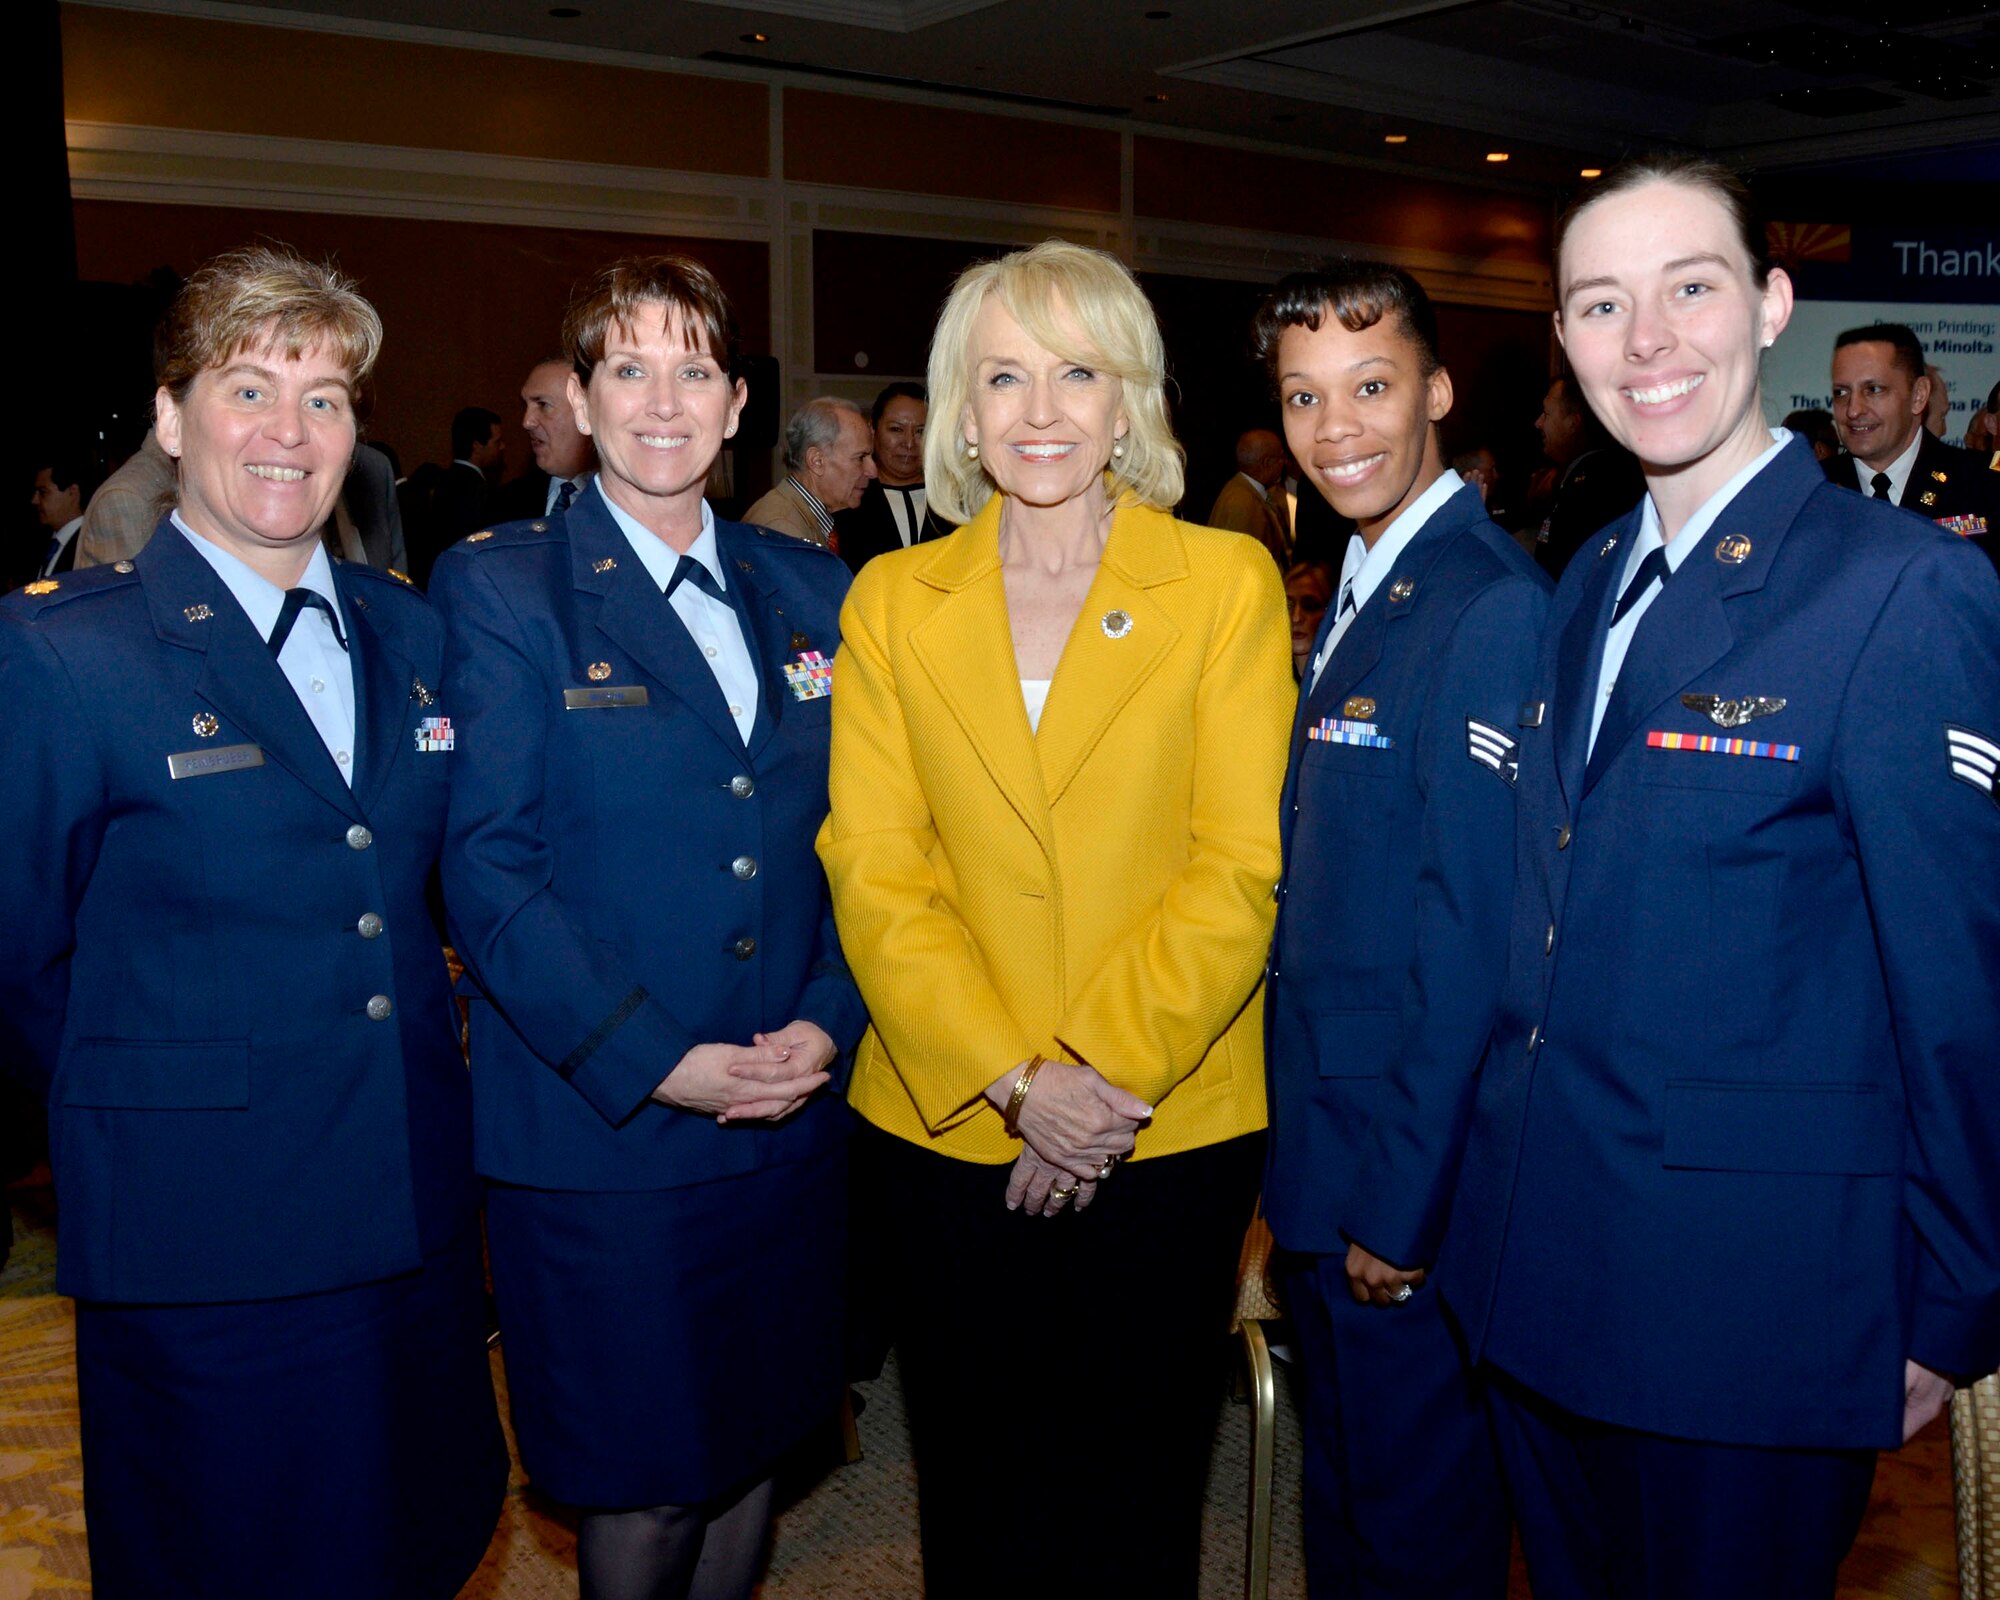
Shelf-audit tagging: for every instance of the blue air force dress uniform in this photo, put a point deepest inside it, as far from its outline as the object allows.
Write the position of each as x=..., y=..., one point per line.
x=1736, y=1147
x=219, y=968
x=630, y=871
x=1398, y=824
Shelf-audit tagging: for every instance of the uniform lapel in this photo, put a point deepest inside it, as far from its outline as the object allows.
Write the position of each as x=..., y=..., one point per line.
x=1098, y=674
x=966, y=647
x=384, y=691
x=765, y=632
x=633, y=614
x=1582, y=648
x=1686, y=629
x=193, y=608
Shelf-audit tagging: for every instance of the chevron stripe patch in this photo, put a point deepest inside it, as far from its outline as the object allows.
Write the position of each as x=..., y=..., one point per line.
x=1492, y=748
x=1974, y=758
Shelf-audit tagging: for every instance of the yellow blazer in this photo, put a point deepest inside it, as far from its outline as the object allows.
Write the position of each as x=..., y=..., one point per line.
x=1100, y=891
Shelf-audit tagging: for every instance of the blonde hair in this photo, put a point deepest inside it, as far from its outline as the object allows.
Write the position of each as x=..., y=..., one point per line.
x=1083, y=305
x=265, y=294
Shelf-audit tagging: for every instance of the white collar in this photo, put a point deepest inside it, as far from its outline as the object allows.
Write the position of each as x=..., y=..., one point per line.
x=260, y=598
x=1898, y=470
x=1374, y=562
x=659, y=557
x=1697, y=525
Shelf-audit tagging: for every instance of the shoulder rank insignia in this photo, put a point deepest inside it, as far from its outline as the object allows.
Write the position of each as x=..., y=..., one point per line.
x=1492, y=749
x=1732, y=713
x=1974, y=759
x=475, y=538
x=400, y=577
x=538, y=527
x=121, y=566
x=41, y=586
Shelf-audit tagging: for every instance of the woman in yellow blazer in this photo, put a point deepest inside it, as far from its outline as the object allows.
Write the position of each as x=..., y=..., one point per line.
x=1058, y=741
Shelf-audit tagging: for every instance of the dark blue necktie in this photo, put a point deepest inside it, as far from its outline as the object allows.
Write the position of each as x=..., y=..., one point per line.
x=296, y=600
x=1881, y=484
x=1654, y=566
x=695, y=573
x=564, y=495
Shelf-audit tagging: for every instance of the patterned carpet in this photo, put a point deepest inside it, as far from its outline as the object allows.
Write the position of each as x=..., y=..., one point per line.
x=843, y=1531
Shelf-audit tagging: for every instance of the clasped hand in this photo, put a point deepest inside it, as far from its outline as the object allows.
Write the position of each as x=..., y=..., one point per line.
x=764, y=1081
x=1073, y=1122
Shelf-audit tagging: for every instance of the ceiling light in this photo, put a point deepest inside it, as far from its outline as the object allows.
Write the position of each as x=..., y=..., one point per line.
x=1591, y=172
x=1395, y=138
x=755, y=38
x=1496, y=155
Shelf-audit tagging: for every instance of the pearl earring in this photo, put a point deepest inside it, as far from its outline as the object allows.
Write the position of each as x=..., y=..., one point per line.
x=972, y=452
x=1117, y=449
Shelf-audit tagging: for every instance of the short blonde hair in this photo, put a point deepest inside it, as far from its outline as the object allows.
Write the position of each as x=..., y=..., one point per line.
x=265, y=294
x=1056, y=291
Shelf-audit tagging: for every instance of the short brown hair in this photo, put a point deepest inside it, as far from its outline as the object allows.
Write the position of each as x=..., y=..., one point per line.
x=613, y=294
x=266, y=294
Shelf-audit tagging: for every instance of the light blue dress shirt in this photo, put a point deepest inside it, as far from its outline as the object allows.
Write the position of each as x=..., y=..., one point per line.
x=320, y=672
x=1361, y=574
x=711, y=623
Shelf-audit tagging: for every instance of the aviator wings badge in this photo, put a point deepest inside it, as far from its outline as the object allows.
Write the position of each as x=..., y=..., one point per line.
x=1732, y=713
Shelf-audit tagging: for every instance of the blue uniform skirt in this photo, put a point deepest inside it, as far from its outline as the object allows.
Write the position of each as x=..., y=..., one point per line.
x=322, y=1447
x=666, y=1347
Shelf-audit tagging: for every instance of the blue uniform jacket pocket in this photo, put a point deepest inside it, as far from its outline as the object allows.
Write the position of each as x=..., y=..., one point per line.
x=156, y=1074
x=1840, y=1128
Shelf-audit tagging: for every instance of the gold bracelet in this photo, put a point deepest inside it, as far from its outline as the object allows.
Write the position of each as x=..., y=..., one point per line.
x=1012, y=1115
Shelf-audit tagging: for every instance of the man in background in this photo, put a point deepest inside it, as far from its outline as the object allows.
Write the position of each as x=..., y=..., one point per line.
x=564, y=458
x=894, y=512
x=60, y=493
x=1594, y=482
x=829, y=460
x=1253, y=501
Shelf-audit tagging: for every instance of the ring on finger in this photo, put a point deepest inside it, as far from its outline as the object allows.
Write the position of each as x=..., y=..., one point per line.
x=1402, y=1293
x=1065, y=1194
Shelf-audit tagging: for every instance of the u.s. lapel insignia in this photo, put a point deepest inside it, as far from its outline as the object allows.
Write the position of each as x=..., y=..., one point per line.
x=1402, y=589
x=597, y=671
x=1974, y=759
x=605, y=565
x=421, y=693
x=1116, y=624
x=41, y=586
x=1492, y=749
x=1732, y=549
x=1359, y=708
x=1732, y=713
x=192, y=613
x=1927, y=498
x=205, y=724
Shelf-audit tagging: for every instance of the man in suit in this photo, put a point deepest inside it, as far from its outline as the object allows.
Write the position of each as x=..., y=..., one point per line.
x=1594, y=480
x=1880, y=393
x=829, y=460
x=367, y=523
x=1253, y=501
x=462, y=501
x=127, y=507
x=61, y=491
x=894, y=512
x=564, y=457
x=1398, y=825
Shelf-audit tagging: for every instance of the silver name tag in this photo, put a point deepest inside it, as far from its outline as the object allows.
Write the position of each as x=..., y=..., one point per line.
x=200, y=763
x=630, y=694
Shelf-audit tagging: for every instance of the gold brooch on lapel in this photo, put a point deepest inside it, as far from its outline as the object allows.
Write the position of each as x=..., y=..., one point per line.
x=1116, y=624
x=1359, y=708
x=598, y=671
x=1732, y=549
x=205, y=724
x=605, y=565
x=1402, y=589
x=192, y=613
